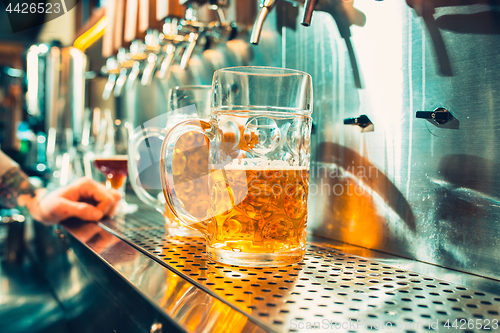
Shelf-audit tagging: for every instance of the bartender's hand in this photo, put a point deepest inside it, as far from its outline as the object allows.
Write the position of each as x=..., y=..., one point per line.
x=84, y=199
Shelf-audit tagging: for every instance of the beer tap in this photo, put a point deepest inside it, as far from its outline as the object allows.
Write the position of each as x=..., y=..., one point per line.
x=125, y=64
x=308, y=12
x=194, y=29
x=152, y=42
x=137, y=55
x=111, y=69
x=171, y=39
x=265, y=8
x=218, y=6
x=219, y=29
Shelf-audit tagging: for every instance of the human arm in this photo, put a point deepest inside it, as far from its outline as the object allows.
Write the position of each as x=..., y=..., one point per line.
x=56, y=206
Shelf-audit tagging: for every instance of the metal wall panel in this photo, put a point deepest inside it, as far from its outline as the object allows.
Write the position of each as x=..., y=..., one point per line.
x=409, y=187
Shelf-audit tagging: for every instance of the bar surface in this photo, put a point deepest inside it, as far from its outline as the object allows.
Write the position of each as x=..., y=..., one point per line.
x=337, y=286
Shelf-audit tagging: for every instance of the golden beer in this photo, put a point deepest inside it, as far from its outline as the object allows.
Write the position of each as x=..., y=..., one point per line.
x=259, y=210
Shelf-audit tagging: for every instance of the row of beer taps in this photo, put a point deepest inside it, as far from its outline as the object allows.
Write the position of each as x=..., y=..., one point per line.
x=157, y=52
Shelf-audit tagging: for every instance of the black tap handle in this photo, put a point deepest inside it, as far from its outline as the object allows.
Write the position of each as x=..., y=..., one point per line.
x=439, y=116
x=362, y=121
x=425, y=114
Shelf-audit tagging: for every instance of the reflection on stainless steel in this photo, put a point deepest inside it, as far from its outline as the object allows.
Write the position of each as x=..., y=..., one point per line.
x=94, y=295
x=26, y=301
x=192, y=308
x=329, y=284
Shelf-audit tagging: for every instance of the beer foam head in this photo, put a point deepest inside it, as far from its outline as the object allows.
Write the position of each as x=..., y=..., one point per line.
x=261, y=164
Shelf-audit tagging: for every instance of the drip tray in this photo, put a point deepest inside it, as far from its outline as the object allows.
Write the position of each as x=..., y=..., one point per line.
x=329, y=290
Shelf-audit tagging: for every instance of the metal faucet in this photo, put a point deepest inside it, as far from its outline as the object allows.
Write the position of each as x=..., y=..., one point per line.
x=196, y=30
x=308, y=12
x=112, y=69
x=153, y=48
x=170, y=39
x=192, y=29
x=137, y=53
x=126, y=65
x=266, y=7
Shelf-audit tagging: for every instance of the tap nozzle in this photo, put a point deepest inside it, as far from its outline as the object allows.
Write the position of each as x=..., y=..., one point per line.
x=193, y=39
x=266, y=7
x=308, y=12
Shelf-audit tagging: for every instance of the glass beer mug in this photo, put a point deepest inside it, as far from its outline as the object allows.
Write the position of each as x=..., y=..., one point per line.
x=258, y=176
x=190, y=156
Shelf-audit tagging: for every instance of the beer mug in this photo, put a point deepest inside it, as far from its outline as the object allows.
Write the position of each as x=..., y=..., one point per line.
x=190, y=155
x=258, y=177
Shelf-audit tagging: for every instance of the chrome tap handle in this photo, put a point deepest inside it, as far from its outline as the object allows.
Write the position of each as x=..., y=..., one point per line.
x=149, y=70
x=152, y=40
x=171, y=38
x=171, y=26
x=120, y=82
x=193, y=39
x=134, y=73
x=217, y=6
x=168, y=60
x=308, y=12
x=108, y=88
x=266, y=7
x=111, y=69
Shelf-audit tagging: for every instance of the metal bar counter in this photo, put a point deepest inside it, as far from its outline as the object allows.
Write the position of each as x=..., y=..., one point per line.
x=336, y=288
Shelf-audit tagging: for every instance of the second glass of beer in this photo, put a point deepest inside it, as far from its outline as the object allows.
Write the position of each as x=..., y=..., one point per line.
x=258, y=177
x=190, y=157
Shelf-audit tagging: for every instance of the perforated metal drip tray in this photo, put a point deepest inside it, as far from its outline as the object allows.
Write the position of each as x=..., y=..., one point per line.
x=329, y=291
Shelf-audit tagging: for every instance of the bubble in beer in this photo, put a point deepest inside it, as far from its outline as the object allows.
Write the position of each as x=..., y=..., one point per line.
x=231, y=227
x=251, y=211
x=178, y=162
x=295, y=198
x=197, y=162
x=278, y=229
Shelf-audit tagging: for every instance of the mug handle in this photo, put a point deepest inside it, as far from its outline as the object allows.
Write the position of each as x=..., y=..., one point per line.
x=167, y=179
x=140, y=135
